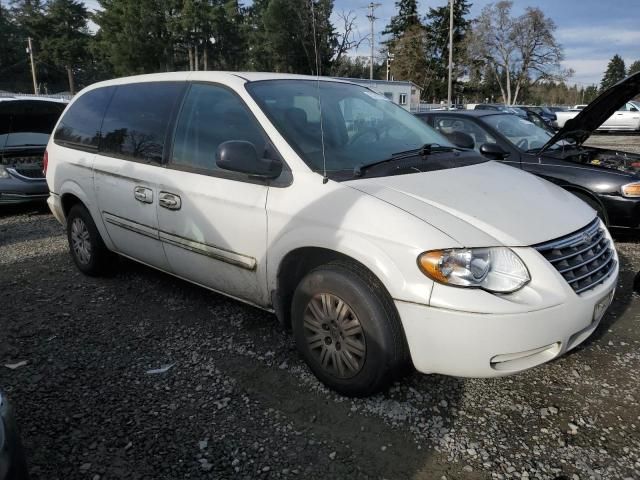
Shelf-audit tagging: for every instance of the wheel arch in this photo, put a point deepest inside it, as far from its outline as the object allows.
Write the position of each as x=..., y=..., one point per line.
x=300, y=261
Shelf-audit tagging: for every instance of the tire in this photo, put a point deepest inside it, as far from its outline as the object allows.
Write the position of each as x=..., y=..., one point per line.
x=87, y=249
x=347, y=329
x=595, y=204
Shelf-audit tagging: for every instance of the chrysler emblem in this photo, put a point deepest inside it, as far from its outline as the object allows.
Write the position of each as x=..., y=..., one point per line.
x=586, y=237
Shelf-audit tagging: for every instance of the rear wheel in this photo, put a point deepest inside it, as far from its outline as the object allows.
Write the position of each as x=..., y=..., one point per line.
x=88, y=251
x=347, y=329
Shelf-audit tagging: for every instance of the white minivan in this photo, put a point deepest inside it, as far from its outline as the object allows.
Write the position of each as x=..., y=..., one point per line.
x=371, y=236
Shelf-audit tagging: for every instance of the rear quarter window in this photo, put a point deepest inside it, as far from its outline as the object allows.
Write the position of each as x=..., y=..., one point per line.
x=80, y=125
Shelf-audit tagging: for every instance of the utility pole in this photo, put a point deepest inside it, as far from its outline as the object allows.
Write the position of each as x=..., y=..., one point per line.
x=33, y=67
x=450, y=53
x=372, y=18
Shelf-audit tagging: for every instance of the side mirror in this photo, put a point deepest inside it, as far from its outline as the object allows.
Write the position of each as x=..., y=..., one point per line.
x=493, y=151
x=241, y=156
x=461, y=139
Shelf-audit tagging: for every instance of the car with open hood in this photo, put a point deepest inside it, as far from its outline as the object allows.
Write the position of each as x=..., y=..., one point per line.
x=608, y=180
x=25, y=126
x=370, y=235
x=13, y=465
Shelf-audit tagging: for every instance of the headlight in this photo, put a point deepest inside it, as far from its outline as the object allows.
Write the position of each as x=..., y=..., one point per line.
x=496, y=269
x=631, y=190
x=3, y=172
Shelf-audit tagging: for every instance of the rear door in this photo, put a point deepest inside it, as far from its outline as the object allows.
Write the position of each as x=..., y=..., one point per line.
x=213, y=222
x=129, y=166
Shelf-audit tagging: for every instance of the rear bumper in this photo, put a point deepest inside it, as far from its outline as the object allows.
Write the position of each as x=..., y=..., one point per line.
x=18, y=190
x=55, y=205
x=466, y=344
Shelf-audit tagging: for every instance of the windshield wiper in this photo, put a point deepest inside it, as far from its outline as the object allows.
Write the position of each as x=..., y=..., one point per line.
x=423, y=151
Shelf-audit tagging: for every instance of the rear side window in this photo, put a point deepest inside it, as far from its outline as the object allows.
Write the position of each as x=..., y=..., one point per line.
x=80, y=125
x=136, y=122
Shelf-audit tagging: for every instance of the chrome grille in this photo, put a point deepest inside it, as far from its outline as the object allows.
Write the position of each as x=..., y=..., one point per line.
x=584, y=258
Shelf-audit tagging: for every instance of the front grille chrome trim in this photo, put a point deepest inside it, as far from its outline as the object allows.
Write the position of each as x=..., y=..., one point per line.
x=585, y=258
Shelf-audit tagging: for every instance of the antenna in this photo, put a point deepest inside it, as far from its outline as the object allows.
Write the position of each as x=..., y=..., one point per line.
x=325, y=179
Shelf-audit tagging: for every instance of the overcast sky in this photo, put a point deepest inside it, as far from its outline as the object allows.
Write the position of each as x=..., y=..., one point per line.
x=591, y=31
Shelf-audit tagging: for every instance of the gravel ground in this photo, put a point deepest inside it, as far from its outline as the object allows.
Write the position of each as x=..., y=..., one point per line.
x=237, y=402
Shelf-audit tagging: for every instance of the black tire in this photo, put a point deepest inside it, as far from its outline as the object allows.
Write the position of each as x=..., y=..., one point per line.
x=595, y=204
x=349, y=369
x=91, y=257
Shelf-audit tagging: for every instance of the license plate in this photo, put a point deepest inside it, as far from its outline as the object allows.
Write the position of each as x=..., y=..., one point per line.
x=602, y=305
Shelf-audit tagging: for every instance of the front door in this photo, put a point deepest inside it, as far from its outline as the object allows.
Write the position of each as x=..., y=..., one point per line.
x=128, y=168
x=213, y=222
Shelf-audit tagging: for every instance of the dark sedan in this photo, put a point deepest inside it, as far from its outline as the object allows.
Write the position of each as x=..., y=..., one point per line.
x=608, y=180
x=12, y=461
x=25, y=126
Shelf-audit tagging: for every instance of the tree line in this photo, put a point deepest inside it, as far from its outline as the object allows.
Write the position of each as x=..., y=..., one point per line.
x=497, y=56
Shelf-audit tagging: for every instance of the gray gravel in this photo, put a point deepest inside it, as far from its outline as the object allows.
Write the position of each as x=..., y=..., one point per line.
x=234, y=400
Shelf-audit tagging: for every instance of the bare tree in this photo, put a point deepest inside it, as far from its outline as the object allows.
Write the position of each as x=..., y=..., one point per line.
x=347, y=35
x=519, y=51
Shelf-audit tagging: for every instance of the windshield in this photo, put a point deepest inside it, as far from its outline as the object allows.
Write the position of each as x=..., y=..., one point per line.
x=525, y=135
x=359, y=126
x=27, y=122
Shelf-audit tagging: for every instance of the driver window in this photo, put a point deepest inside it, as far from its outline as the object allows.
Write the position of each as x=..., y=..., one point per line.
x=210, y=116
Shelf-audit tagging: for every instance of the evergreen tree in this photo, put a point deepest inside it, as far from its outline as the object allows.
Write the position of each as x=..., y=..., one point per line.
x=437, y=46
x=406, y=18
x=409, y=61
x=634, y=68
x=615, y=72
x=139, y=36
x=65, y=44
x=291, y=43
x=13, y=61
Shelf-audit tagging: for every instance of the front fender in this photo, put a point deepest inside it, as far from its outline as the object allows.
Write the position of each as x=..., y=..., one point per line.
x=402, y=279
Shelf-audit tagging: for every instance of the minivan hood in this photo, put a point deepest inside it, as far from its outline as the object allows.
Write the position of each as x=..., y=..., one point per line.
x=580, y=127
x=482, y=205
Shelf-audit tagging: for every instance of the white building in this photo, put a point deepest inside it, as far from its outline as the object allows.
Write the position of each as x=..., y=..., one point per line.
x=404, y=93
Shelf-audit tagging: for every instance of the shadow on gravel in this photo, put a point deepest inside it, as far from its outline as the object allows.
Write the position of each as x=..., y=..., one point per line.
x=86, y=406
x=39, y=208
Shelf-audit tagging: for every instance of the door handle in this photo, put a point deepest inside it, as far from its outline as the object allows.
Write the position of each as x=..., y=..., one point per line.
x=169, y=201
x=143, y=194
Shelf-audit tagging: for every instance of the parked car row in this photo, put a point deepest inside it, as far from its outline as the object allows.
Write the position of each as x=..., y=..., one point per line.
x=625, y=118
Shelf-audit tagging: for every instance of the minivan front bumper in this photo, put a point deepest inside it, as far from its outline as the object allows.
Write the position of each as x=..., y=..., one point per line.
x=467, y=344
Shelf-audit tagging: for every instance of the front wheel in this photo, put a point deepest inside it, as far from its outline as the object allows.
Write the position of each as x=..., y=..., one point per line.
x=88, y=251
x=347, y=330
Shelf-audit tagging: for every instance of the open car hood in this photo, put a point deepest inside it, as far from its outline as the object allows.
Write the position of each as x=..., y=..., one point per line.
x=597, y=112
